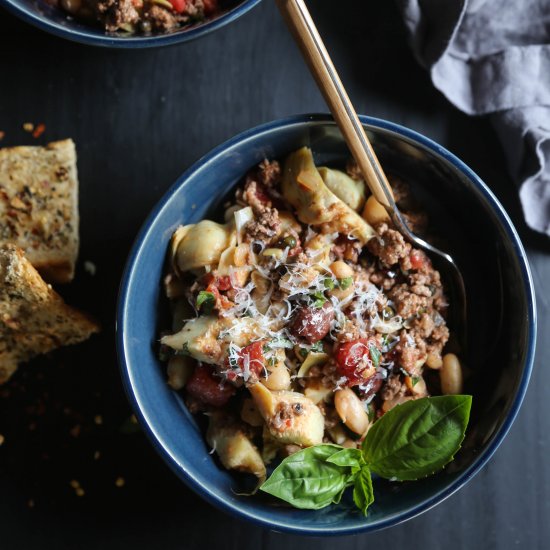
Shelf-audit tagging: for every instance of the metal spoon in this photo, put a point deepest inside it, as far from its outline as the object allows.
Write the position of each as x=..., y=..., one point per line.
x=305, y=32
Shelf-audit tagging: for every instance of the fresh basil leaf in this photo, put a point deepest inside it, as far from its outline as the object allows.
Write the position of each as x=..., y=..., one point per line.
x=371, y=411
x=206, y=301
x=306, y=480
x=352, y=458
x=363, y=494
x=345, y=283
x=375, y=356
x=417, y=438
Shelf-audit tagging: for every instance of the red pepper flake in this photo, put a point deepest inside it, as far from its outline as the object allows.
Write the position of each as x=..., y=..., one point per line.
x=39, y=130
x=2, y=135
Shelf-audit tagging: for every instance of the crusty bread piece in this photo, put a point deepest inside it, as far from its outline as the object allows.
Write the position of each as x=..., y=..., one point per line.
x=34, y=319
x=39, y=206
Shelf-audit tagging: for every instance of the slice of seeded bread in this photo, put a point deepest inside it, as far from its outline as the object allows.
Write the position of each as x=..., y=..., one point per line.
x=39, y=206
x=34, y=319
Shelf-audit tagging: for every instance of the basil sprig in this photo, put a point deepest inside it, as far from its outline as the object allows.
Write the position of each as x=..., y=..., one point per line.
x=411, y=441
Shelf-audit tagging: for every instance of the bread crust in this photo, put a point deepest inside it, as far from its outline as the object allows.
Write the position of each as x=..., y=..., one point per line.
x=39, y=206
x=34, y=319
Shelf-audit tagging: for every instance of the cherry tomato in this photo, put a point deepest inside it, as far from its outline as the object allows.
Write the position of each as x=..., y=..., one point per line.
x=179, y=5
x=209, y=389
x=255, y=354
x=222, y=301
x=418, y=259
x=350, y=358
x=210, y=6
x=224, y=282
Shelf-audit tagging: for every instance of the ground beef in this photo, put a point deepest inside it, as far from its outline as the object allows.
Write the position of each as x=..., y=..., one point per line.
x=269, y=173
x=161, y=19
x=266, y=227
x=283, y=413
x=255, y=195
x=389, y=246
x=393, y=388
x=115, y=13
x=346, y=249
x=406, y=302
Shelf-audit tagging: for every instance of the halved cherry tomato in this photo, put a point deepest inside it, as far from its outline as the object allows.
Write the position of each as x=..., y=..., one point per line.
x=179, y=5
x=254, y=353
x=350, y=358
x=209, y=389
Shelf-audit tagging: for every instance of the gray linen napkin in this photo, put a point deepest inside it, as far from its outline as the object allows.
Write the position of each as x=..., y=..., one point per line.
x=492, y=57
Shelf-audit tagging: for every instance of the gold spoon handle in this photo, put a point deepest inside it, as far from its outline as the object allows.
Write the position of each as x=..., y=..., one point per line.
x=303, y=28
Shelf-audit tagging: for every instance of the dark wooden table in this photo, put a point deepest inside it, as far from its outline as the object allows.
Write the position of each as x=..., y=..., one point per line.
x=139, y=118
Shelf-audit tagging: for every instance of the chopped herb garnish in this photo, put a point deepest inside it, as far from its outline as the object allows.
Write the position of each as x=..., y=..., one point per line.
x=303, y=352
x=206, y=301
x=375, y=356
x=345, y=283
x=329, y=283
x=272, y=361
x=318, y=298
x=415, y=380
x=317, y=347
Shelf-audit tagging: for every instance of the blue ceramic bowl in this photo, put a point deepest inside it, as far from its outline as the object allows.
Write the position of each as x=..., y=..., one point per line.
x=56, y=21
x=477, y=231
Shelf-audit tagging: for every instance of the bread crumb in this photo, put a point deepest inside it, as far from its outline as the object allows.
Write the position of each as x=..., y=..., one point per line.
x=75, y=484
x=2, y=439
x=97, y=455
x=30, y=503
x=2, y=135
x=28, y=126
x=120, y=482
x=90, y=268
x=80, y=492
x=98, y=419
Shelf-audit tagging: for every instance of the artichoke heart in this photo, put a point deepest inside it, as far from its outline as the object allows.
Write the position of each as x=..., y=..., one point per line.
x=315, y=203
x=200, y=245
x=228, y=438
x=198, y=338
x=290, y=417
x=350, y=191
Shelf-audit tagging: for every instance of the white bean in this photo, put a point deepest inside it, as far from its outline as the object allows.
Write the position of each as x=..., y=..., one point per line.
x=451, y=375
x=351, y=411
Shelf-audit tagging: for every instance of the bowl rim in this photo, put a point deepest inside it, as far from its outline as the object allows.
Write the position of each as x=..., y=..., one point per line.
x=479, y=462
x=91, y=38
